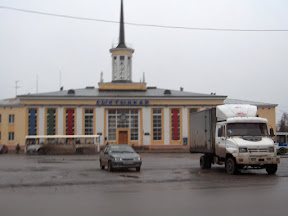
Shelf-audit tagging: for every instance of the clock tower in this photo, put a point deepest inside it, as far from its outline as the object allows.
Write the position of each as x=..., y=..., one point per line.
x=122, y=56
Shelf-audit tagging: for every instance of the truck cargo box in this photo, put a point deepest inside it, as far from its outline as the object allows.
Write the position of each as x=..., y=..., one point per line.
x=202, y=131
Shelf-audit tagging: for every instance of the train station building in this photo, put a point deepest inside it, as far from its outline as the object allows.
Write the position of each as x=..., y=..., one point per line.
x=121, y=111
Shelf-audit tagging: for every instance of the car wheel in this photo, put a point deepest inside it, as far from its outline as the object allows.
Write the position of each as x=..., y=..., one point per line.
x=282, y=151
x=110, y=166
x=271, y=169
x=101, y=165
x=41, y=151
x=79, y=151
x=231, y=166
x=138, y=169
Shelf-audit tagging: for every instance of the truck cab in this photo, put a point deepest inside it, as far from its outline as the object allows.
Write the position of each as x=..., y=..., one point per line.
x=233, y=135
x=243, y=137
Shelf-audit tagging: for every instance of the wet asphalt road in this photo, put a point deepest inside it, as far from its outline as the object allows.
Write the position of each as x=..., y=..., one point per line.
x=168, y=184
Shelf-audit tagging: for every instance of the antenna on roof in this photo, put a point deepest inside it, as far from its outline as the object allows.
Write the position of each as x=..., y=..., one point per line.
x=60, y=84
x=101, y=77
x=16, y=87
x=143, y=77
x=36, y=83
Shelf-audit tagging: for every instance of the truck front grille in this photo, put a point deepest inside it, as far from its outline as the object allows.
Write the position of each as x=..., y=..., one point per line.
x=258, y=150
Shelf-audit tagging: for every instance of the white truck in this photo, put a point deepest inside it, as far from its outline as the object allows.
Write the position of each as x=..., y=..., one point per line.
x=233, y=135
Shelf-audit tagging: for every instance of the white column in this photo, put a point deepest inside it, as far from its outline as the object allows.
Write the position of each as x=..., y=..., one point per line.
x=146, y=125
x=185, y=122
x=99, y=124
x=41, y=121
x=79, y=121
x=60, y=122
x=166, y=126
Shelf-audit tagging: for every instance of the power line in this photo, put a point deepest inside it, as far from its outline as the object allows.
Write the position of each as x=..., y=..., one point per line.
x=144, y=25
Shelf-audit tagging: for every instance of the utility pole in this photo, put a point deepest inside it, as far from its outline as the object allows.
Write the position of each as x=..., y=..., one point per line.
x=16, y=87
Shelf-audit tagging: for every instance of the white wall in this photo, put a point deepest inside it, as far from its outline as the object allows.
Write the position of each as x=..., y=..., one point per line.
x=99, y=124
x=79, y=121
x=166, y=126
x=146, y=125
x=185, y=122
x=41, y=121
x=60, y=121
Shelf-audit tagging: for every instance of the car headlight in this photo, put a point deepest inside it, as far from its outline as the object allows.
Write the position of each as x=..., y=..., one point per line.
x=242, y=150
x=117, y=159
x=137, y=158
x=271, y=149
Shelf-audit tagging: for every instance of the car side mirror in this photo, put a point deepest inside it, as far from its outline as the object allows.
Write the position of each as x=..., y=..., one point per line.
x=272, y=132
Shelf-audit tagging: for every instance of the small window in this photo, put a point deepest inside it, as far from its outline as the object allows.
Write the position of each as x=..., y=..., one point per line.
x=115, y=57
x=0, y=118
x=0, y=135
x=11, y=119
x=11, y=136
x=122, y=58
x=193, y=110
x=221, y=131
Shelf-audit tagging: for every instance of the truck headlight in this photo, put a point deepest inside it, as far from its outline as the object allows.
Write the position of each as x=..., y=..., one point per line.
x=242, y=150
x=271, y=149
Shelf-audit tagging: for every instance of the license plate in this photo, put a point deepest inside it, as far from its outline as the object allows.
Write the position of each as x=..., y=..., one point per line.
x=128, y=162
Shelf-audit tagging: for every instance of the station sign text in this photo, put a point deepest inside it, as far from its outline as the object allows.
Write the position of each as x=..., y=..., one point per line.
x=118, y=102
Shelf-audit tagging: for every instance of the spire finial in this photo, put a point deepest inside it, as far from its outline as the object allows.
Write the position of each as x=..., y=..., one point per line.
x=122, y=30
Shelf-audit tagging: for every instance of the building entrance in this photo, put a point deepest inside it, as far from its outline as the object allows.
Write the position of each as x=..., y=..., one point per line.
x=123, y=137
x=123, y=120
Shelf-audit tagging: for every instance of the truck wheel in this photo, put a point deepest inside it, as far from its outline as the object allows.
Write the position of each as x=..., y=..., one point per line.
x=271, y=169
x=231, y=166
x=208, y=162
x=202, y=162
x=205, y=162
x=282, y=151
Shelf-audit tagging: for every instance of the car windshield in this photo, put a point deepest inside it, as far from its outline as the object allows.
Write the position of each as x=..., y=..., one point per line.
x=247, y=129
x=121, y=149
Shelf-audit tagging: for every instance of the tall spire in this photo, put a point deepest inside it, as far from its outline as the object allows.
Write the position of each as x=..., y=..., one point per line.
x=122, y=32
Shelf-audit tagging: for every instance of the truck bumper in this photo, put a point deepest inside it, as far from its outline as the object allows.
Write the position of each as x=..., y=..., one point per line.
x=257, y=160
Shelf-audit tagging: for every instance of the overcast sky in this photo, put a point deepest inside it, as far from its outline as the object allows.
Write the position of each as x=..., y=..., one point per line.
x=242, y=65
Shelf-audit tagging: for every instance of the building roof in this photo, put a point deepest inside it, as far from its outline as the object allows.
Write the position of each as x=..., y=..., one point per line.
x=12, y=102
x=259, y=104
x=150, y=92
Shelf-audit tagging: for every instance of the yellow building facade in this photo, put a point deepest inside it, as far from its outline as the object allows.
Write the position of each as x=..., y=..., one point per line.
x=120, y=111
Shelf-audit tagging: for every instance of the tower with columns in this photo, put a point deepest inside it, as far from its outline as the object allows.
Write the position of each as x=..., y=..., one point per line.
x=122, y=56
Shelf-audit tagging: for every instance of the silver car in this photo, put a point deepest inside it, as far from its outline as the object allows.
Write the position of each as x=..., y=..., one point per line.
x=119, y=156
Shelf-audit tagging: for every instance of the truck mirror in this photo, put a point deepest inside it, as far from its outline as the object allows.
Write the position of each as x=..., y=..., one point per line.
x=272, y=132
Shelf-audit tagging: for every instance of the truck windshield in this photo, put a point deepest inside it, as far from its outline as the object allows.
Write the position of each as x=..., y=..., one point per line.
x=247, y=129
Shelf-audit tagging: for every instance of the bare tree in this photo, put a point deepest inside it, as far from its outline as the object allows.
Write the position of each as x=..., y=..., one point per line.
x=283, y=123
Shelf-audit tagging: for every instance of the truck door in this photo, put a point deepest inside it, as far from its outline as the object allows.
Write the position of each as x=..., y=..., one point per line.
x=220, y=143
